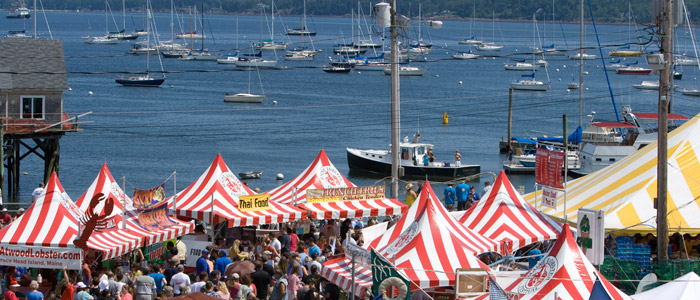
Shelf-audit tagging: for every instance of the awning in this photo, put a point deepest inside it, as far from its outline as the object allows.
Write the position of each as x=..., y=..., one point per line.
x=355, y=209
x=339, y=271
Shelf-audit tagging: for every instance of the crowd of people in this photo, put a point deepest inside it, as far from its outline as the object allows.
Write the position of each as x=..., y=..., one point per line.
x=287, y=266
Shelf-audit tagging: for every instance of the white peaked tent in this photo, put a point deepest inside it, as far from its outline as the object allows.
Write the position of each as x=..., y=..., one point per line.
x=626, y=189
x=686, y=287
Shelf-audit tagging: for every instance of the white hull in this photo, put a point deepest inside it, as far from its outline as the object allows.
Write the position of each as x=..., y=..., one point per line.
x=299, y=57
x=521, y=67
x=529, y=85
x=230, y=60
x=100, y=40
x=466, y=56
x=193, y=36
x=647, y=85
x=257, y=63
x=691, y=92
x=244, y=98
x=271, y=46
x=198, y=57
x=406, y=71
x=585, y=56
x=489, y=47
x=470, y=42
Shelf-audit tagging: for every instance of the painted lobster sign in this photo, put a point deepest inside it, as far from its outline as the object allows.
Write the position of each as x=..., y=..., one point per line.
x=90, y=219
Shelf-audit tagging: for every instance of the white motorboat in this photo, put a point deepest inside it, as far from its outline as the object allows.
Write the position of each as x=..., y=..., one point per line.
x=244, y=98
x=526, y=162
x=191, y=36
x=521, y=66
x=583, y=56
x=298, y=56
x=529, y=85
x=100, y=40
x=255, y=62
x=466, y=55
x=647, y=85
x=605, y=143
x=142, y=49
x=573, y=85
x=691, y=92
x=681, y=60
x=470, y=41
x=406, y=71
x=198, y=56
x=228, y=59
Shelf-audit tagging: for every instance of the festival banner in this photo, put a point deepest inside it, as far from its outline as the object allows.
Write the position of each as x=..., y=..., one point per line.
x=146, y=199
x=591, y=231
x=345, y=194
x=253, y=202
x=156, y=218
x=40, y=257
x=548, y=166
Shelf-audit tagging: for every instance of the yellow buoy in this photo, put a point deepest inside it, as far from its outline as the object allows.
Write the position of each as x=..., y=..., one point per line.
x=445, y=119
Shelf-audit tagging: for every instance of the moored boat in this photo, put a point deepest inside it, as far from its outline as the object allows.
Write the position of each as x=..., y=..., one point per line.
x=141, y=80
x=633, y=70
x=244, y=98
x=406, y=71
x=19, y=13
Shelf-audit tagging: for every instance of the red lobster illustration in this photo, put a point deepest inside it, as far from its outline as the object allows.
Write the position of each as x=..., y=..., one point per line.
x=90, y=219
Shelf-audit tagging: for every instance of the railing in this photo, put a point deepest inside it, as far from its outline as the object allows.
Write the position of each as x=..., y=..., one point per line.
x=13, y=125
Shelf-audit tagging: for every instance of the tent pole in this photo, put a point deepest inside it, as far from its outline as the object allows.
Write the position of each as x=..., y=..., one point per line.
x=175, y=190
x=566, y=162
x=124, y=203
x=211, y=223
x=352, y=277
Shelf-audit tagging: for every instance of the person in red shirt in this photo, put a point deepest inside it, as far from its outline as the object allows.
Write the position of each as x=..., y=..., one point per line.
x=68, y=289
x=5, y=218
x=10, y=294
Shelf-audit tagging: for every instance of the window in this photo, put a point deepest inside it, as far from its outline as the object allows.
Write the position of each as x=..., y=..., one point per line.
x=32, y=107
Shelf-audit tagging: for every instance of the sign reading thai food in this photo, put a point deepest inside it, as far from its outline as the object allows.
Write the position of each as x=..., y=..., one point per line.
x=254, y=202
x=345, y=194
x=145, y=199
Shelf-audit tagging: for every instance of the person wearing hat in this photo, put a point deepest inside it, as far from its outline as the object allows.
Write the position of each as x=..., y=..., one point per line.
x=202, y=263
x=5, y=218
x=458, y=158
x=410, y=194
x=82, y=293
x=10, y=294
x=179, y=279
x=221, y=262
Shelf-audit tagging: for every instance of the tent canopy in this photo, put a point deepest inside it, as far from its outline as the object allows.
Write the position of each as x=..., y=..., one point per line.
x=626, y=189
x=428, y=244
x=503, y=216
x=355, y=208
x=564, y=271
x=686, y=287
x=321, y=174
x=220, y=187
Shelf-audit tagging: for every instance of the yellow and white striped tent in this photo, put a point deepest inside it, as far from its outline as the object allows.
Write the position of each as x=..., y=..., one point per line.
x=626, y=189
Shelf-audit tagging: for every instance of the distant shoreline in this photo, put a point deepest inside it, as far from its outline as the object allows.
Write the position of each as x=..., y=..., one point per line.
x=441, y=18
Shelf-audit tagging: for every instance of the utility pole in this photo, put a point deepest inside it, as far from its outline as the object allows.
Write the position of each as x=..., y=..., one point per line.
x=395, y=106
x=666, y=31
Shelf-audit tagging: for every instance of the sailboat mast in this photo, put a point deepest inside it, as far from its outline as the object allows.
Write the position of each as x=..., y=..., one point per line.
x=148, y=37
x=172, y=27
x=106, y=20
x=123, y=14
x=580, y=69
x=272, y=30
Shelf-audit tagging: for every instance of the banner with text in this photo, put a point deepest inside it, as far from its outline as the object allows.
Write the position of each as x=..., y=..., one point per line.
x=194, y=252
x=549, y=197
x=156, y=218
x=254, y=202
x=548, y=166
x=146, y=199
x=345, y=194
x=40, y=257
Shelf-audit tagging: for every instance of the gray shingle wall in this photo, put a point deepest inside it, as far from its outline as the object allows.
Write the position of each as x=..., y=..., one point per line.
x=33, y=65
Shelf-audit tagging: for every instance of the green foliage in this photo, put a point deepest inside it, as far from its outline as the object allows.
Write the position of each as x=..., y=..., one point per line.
x=564, y=10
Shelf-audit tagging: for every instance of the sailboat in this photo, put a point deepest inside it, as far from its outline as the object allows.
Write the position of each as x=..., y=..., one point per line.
x=626, y=51
x=270, y=44
x=526, y=66
x=491, y=46
x=471, y=40
x=529, y=84
x=303, y=30
x=247, y=97
x=105, y=39
x=145, y=80
x=192, y=34
x=202, y=54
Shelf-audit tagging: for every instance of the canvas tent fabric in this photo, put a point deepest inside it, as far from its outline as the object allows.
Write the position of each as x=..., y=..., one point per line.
x=123, y=208
x=686, y=287
x=354, y=209
x=626, y=189
x=564, y=271
x=321, y=174
x=218, y=185
x=339, y=271
x=504, y=216
x=427, y=244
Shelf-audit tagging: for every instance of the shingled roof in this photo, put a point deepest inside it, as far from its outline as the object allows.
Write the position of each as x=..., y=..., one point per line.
x=32, y=65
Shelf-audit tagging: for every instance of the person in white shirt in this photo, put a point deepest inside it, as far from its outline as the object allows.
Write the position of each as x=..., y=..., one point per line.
x=276, y=243
x=180, y=278
x=38, y=191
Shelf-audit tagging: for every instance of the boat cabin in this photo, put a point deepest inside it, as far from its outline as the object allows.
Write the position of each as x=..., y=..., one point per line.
x=414, y=152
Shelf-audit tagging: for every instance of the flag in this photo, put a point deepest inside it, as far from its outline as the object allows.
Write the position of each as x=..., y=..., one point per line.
x=386, y=278
x=495, y=291
x=598, y=292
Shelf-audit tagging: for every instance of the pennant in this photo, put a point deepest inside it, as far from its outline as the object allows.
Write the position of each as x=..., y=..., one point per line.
x=386, y=279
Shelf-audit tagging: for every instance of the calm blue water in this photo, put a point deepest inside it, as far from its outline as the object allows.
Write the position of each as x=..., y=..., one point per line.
x=144, y=134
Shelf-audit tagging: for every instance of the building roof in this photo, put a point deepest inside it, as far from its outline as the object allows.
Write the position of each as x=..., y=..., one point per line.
x=32, y=65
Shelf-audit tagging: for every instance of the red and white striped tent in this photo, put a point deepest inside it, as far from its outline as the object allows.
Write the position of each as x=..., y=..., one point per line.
x=564, y=271
x=321, y=174
x=130, y=234
x=355, y=208
x=428, y=244
x=218, y=185
x=339, y=271
x=503, y=216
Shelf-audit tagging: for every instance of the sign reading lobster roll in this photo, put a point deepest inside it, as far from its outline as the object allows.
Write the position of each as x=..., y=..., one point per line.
x=152, y=208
